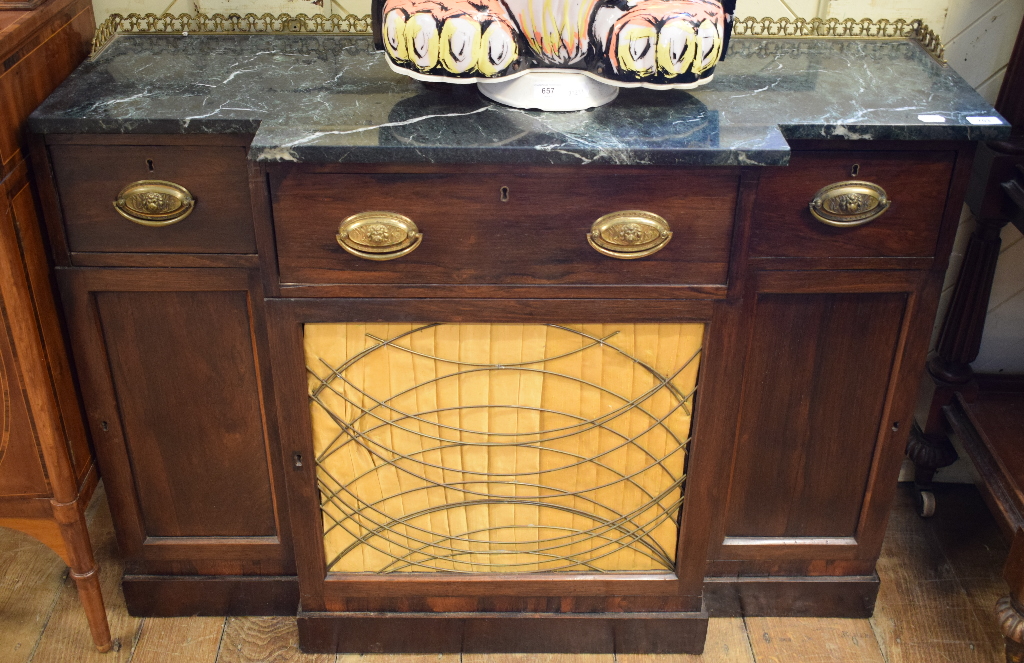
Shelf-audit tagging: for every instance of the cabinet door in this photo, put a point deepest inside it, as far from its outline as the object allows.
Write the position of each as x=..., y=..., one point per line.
x=536, y=448
x=170, y=363
x=21, y=465
x=827, y=391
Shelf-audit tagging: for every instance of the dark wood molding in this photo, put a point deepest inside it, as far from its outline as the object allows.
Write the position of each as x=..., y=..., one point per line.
x=800, y=596
x=180, y=596
x=485, y=633
x=821, y=597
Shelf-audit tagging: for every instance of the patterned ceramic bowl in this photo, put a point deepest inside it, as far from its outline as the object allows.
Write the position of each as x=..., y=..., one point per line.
x=625, y=43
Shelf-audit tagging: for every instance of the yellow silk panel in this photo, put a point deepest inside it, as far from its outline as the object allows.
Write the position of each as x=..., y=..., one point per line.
x=501, y=447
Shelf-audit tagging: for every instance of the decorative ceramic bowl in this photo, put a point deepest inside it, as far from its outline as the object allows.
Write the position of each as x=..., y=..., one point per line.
x=624, y=43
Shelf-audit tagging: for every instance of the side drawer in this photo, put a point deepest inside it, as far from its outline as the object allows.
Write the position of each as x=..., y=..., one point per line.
x=916, y=183
x=494, y=228
x=89, y=178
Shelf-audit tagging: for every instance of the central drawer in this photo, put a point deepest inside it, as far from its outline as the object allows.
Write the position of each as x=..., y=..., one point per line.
x=495, y=228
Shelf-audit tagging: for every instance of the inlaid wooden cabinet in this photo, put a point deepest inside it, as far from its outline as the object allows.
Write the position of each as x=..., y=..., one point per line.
x=47, y=471
x=282, y=421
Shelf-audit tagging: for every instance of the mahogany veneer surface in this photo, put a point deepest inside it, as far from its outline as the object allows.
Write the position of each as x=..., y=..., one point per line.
x=802, y=464
x=538, y=235
x=916, y=182
x=797, y=433
x=91, y=177
x=192, y=422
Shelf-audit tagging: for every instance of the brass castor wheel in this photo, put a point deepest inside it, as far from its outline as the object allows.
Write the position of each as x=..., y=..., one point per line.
x=925, y=501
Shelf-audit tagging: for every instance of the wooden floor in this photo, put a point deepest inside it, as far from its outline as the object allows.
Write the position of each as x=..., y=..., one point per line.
x=940, y=579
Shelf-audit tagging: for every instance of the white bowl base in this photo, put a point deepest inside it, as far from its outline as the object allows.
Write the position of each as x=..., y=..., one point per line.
x=550, y=91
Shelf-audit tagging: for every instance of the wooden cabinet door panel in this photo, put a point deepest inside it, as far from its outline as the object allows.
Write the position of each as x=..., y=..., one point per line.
x=292, y=319
x=184, y=370
x=21, y=465
x=817, y=374
x=170, y=364
x=828, y=386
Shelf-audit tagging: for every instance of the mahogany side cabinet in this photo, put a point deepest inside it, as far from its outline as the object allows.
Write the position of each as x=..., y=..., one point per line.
x=386, y=445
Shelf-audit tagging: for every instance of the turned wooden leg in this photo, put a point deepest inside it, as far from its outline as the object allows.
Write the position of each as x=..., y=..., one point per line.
x=83, y=569
x=1011, y=623
x=1009, y=610
x=949, y=371
x=92, y=602
x=929, y=453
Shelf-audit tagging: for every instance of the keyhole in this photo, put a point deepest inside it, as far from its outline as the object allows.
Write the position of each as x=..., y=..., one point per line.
x=297, y=460
x=104, y=425
x=855, y=171
x=149, y=163
x=504, y=194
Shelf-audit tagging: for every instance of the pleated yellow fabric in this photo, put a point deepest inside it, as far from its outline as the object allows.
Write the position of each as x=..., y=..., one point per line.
x=501, y=447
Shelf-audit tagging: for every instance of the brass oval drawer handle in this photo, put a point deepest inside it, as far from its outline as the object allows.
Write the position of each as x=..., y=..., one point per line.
x=379, y=235
x=154, y=203
x=629, y=234
x=849, y=204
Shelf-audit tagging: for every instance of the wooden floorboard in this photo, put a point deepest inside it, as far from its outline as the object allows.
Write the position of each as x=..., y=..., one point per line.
x=975, y=548
x=939, y=577
x=924, y=612
x=812, y=640
x=30, y=574
x=181, y=640
x=537, y=658
x=398, y=658
x=727, y=643
x=265, y=640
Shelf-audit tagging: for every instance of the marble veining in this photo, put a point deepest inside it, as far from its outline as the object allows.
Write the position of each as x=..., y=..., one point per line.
x=334, y=99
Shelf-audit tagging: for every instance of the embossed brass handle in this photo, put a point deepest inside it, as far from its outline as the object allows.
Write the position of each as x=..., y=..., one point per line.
x=849, y=204
x=629, y=234
x=379, y=235
x=154, y=203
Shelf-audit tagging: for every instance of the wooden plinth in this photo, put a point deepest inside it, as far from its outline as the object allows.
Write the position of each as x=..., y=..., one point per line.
x=177, y=596
x=410, y=633
x=829, y=596
x=182, y=596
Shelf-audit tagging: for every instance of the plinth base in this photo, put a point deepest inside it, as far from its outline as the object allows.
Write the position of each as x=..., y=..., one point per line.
x=503, y=632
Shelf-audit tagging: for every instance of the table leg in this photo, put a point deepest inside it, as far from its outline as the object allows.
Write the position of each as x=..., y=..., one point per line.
x=84, y=569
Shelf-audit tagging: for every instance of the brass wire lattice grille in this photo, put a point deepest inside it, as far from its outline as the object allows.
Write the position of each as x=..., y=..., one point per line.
x=506, y=448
